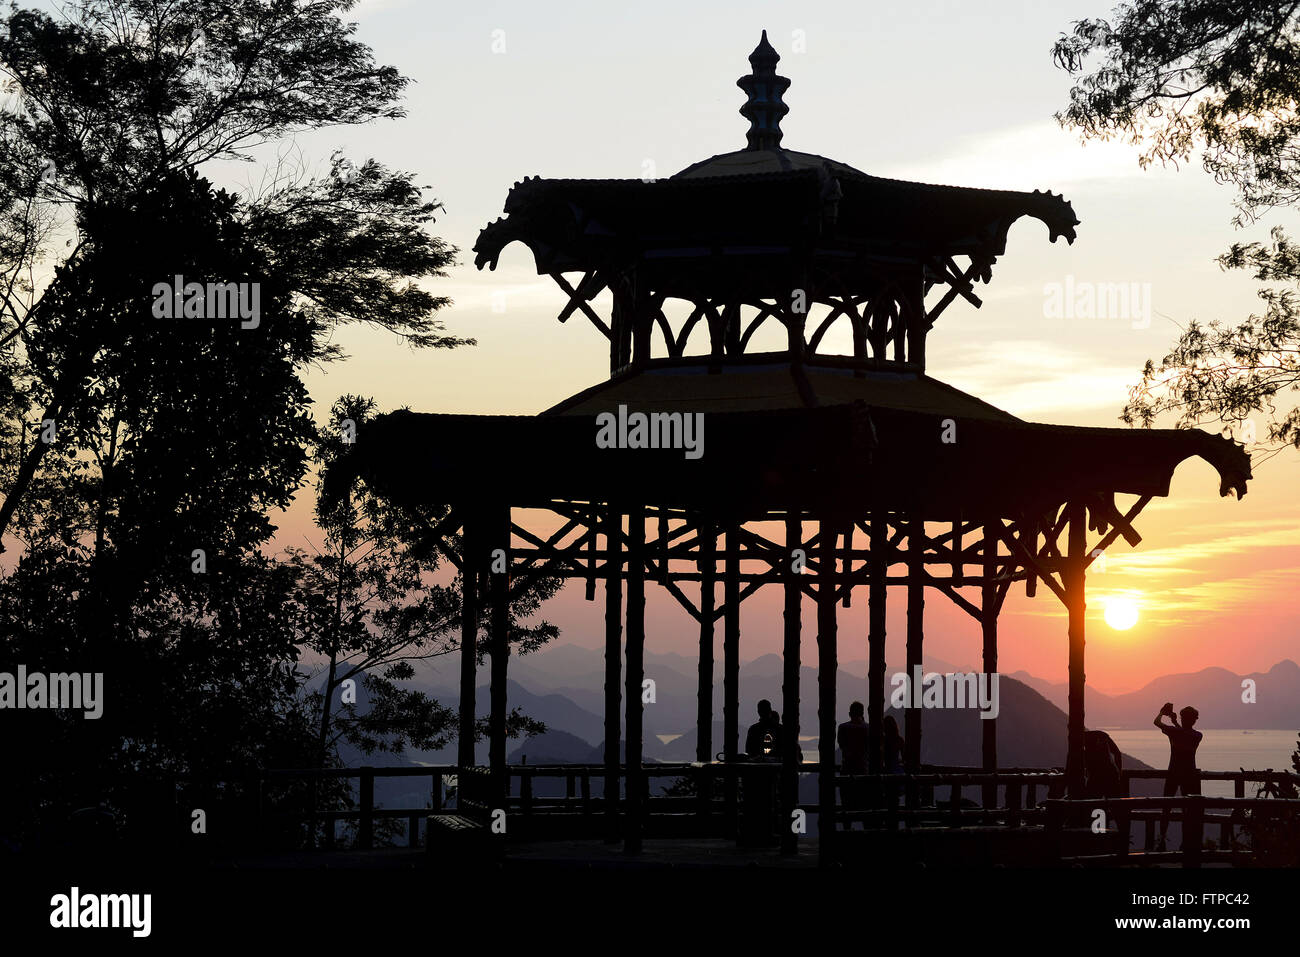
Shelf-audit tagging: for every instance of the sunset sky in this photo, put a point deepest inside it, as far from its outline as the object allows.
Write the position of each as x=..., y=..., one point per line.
x=937, y=92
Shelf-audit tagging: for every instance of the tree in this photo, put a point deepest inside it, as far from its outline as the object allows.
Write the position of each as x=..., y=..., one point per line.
x=373, y=609
x=121, y=97
x=1218, y=79
x=141, y=523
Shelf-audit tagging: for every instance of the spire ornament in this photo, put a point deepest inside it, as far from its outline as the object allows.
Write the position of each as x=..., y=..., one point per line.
x=764, y=89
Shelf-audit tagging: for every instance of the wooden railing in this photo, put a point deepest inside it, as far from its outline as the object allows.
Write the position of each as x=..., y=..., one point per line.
x=1011, y=798
x=1195, y=814
x=707, y=804
x=366, y=813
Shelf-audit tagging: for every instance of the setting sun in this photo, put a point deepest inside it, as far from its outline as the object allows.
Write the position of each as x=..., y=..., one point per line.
x=1121, y=612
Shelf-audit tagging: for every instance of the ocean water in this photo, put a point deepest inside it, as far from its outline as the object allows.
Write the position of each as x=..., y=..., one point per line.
x=1220, y=750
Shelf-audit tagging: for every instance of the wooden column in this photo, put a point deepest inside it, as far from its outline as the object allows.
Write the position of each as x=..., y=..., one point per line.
x=827, y=665
x=790, y=685
x=499, y=585
x=913, y=312
x=731, y=664
x=642, y=321
x=915, y=636
x=635, y=671
x=613, y=521
x=794, y=329
x=469, y=575
x=1073, y=578
x=622, y=316
x=989, y=627
x=708, y=566
x=876, y=597
x=731, y=323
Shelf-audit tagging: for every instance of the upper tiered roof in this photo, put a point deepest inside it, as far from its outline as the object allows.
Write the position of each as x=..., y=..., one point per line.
x=759, y=200
x=751, y=239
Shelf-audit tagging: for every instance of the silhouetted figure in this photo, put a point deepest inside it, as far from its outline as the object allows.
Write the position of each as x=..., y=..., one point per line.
x=1102, y=766
x=852, y=739
x=758, y=787
x=763, y=740
x=1182, y=775
x=893, y=745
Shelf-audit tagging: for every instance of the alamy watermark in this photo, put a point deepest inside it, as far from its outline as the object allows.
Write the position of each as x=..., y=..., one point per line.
x=951, y=690
x=651, y=430
x=214, y=300
x=76, y=691
x=1073, y=299
x=75, y=909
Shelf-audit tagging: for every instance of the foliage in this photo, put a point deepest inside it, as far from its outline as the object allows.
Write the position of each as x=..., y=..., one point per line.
x=1218, y=79
x=139, y=529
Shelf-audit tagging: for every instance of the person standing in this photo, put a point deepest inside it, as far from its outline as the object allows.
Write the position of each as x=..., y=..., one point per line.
x=852, y=739
x=1182, y=775
x=893, y=743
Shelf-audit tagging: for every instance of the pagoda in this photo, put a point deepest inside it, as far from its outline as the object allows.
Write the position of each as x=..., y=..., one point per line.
x=830, y=464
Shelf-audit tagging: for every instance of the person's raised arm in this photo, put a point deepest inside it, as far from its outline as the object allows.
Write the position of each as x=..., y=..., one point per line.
x=1168, y=709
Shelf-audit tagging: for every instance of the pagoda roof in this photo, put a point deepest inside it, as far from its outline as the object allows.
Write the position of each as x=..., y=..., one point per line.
x=771, y=381
x=760, y=200
x=734, y=205
x=839, y=458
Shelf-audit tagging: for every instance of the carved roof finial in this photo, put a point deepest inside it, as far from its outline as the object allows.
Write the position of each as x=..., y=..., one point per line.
x=764, y=108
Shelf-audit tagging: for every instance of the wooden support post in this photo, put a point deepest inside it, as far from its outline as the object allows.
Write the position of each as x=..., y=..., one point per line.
x=635, y=783
x=915, y=640
x=661, y=540
x=989, y=626
x=790, y=685
x=642, y=322
x=613, y=665
x=1013, y=803
x=912, y=310
x=876, y=598
x=469, y=575
x=731, y=327
x=1193, y=829
x=622, y=314
x=1073, y=578
x=708, y=566
x=589, y=542
x=794, y=327
x=366, y=829
x=899, y=333
x=499, y=585
x=827, y=666
x=731, y=667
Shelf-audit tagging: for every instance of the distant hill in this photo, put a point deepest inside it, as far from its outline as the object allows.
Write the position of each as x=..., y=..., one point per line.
x=553, y=747
x=563, y=687
x=1031, y=733
x=1215, y=692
